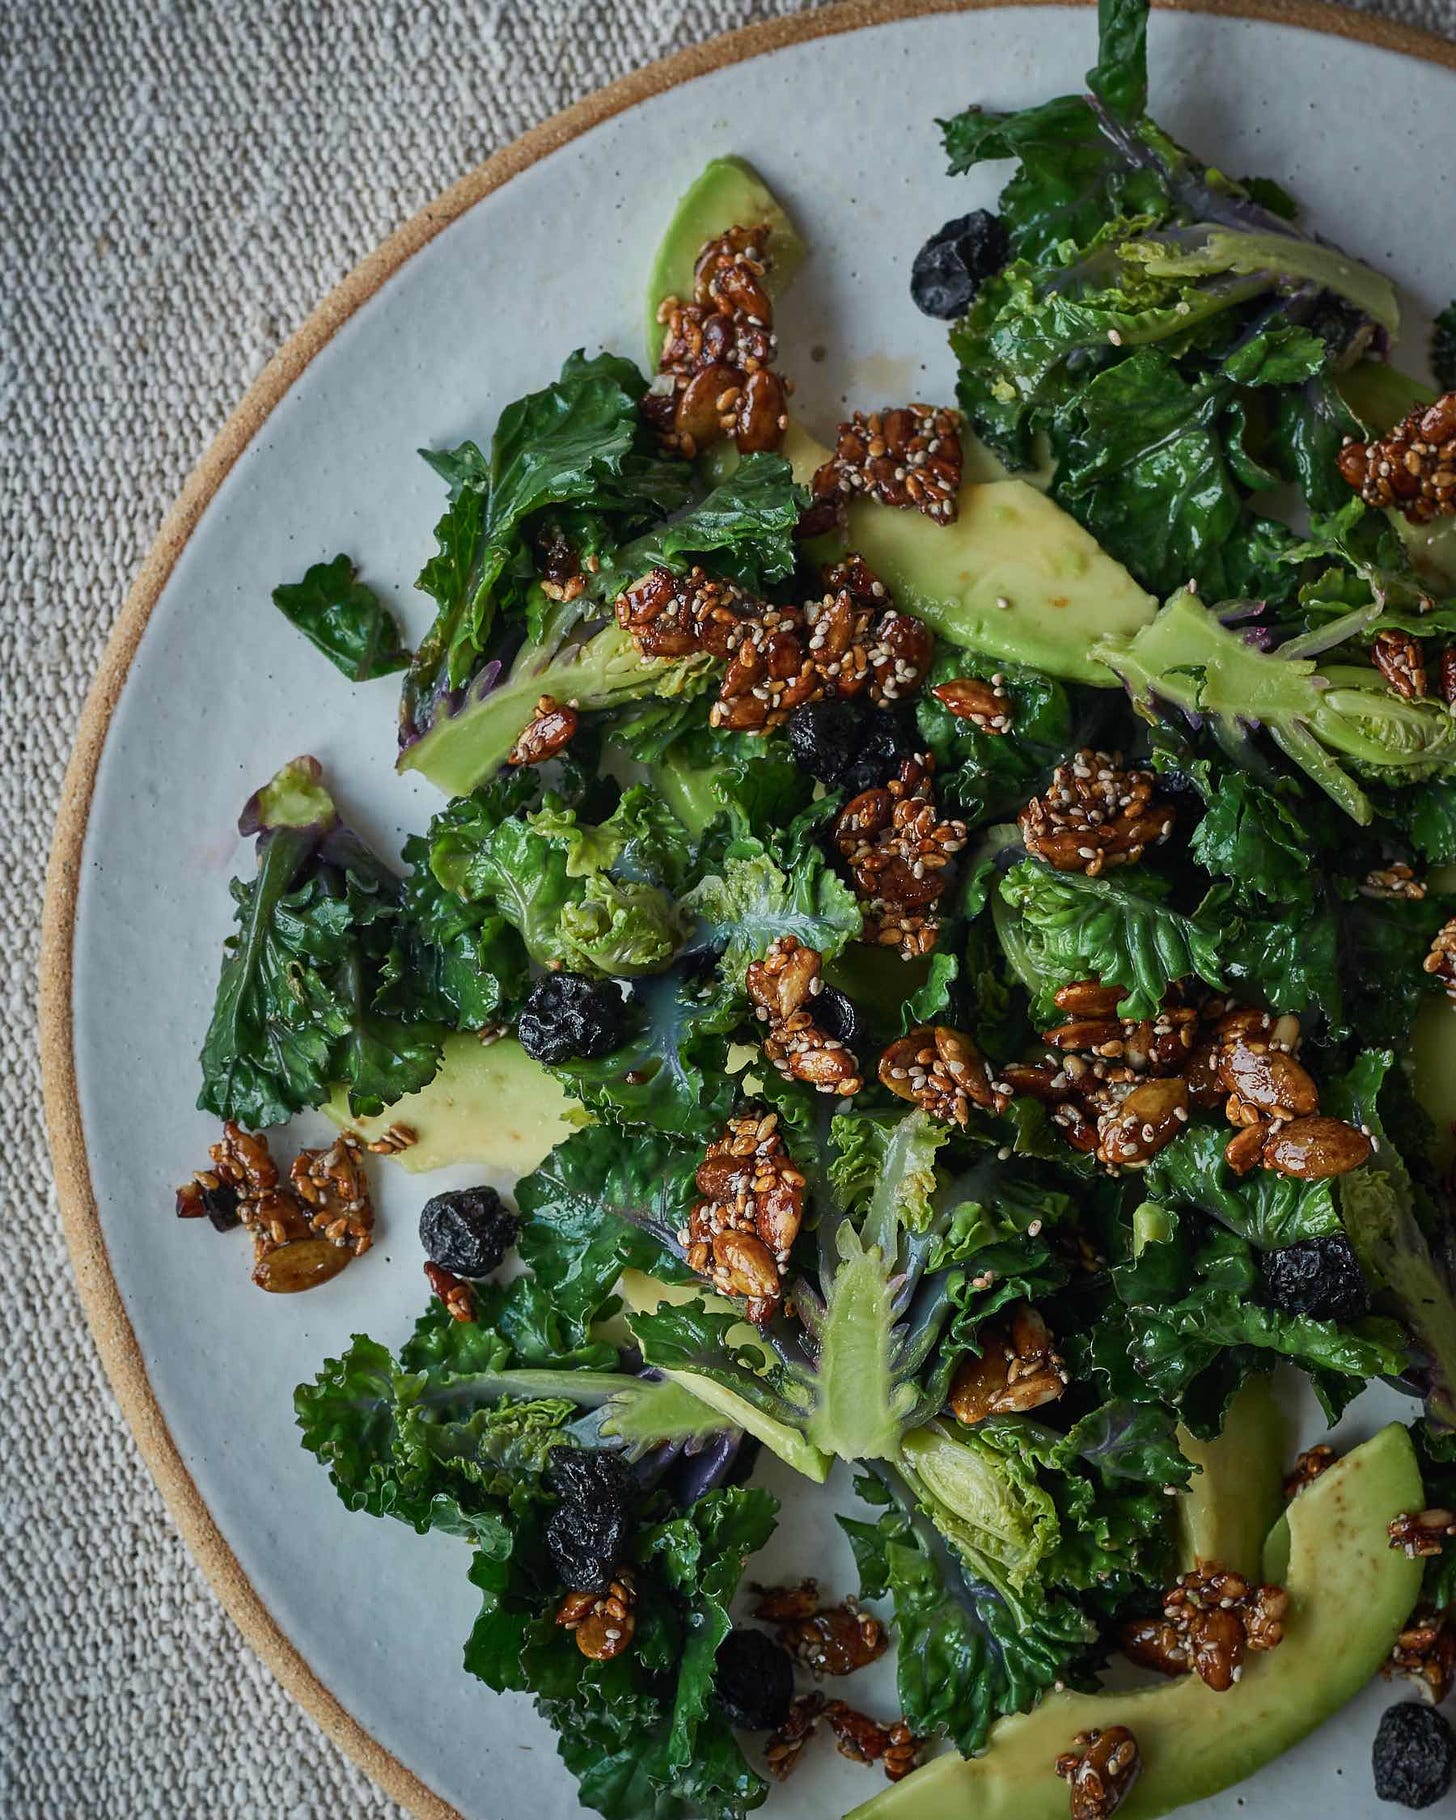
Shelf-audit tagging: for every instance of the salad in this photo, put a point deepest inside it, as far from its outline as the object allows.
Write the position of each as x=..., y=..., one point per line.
x=940, y=924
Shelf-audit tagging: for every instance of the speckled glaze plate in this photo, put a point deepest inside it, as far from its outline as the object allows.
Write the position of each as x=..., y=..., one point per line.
x=470, y=305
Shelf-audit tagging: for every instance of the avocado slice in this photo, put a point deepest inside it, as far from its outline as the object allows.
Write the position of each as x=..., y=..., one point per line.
x=642, y=1293
x=1009, y=544
x=489, y=1103
x=1349, y=1595
x=728, y=193
x=1237, y=1496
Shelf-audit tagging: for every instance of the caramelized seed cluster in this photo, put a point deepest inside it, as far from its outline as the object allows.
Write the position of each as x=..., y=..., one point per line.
x=1273, y=1103
x=1312, y=1464
x=856, y=1736
x=602, y=1623
x=1095, y=815
x=302, y=1234
x=942, y=1071
x=1425, y=1652
x=1122, y=1089
x=1422, y=1533
x=1211, y=1619
x=670, y=615
x=334, y=1189
x=782, y=988
x=897, y=848
x=1413, y=467
x=1400, y=660
x=984, y=703
x=740, y=1234
x=827, y=1639
x=1101, y=1768
x=715, y=377
x=1441, y=961
x=1018, y=1369
x=777, y=658
x=859, y=640
x=909, y=457
x=1116, y=1087
x=550, y=730
x=1393, y=883
x=457, y=1295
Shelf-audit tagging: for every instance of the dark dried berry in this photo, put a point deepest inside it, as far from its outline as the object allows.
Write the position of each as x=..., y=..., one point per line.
x=568, y=1017
x=586, y=1535
x=954, y=263
x=1414, y=1755
x=753, y=1680
x=837, y=1015
x=468, y=1232
x=220, y=1204
x=1345, y=330
x=825, y=737
x=888, y=740
x=1317, y=1277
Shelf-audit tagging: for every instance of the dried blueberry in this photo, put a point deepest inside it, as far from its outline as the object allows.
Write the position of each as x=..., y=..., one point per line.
x=825, y=737
x=753, y=1679
x=220, y=1204
x=1414, y=1755
x=887, y=741
x=586, y=1534
x=837, y=1015
x=847, y=744
x=1345, y=330
x=468, y=1231
x=1318, y=1277
x=954, y=263
x=568, y=1017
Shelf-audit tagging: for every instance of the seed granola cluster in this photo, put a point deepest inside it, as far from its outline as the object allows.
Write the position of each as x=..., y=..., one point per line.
x=1100, y=1769
x=603, y=1624
x=1312, y=1464
x=782, y=988
x=1425, y=1652
x=909, y=457
x=1422, y=1533
x=740, y=1234
x=1412, y=468
x=851, y=641
x=942, y=1071
x=550, y=730
x=1441, y=961
x=1122, y=1089
x=1095, y=815
x=1211, y=1619
x=1393, y=883
x=715, y=376
x=303, y=1234
x=1018, y=1369
x=897, y=847
x=856, y=1736
x=826, y=1639
x=984, y=703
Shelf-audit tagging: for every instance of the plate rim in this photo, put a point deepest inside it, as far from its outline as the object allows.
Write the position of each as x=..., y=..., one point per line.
x=101, y=1298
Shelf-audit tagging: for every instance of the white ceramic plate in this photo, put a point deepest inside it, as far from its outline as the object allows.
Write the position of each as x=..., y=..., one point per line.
x=364, y=1619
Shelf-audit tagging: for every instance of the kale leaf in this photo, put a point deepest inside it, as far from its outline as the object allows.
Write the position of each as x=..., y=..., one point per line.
x=298, y=1006
x=344, y=619
x=1061, y=926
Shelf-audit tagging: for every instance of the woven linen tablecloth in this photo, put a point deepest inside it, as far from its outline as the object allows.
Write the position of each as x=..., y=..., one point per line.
x=180, y=183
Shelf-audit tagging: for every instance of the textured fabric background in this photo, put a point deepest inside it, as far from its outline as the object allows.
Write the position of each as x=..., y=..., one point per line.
x=179, y=184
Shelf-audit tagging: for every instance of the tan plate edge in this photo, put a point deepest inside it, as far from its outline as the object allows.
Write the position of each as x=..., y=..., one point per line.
x=102, y=1299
